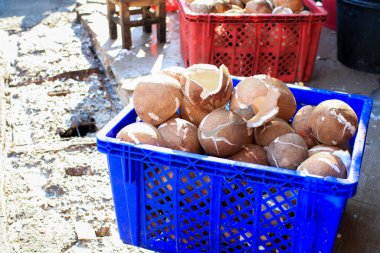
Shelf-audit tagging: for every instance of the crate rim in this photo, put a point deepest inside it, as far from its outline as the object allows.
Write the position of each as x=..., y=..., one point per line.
x=188, y=14
x=356, y=158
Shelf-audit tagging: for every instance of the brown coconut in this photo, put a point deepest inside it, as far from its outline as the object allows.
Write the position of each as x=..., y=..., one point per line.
x=206, y=86
x=323, y=148
x=286, y=102
x=140, y=133
x=265, y=134
x=251, y=153
x=324, y=164
x=258, y=7
x=287, y=151
x=156, y=98
x=222, y=133
x=295, y=5
x=237, y=3
x=180, y=134
x=333, y=122
x=191, y=113
x=261, y=98
x=209, y=6
x=301, y=125
x=174, y=71
x=282, y=10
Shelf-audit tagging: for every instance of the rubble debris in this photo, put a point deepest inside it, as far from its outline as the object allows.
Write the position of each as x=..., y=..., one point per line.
x=78, y=171
x=84, y=231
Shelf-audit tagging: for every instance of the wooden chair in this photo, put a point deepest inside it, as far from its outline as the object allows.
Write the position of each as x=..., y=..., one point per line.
x=122, y=16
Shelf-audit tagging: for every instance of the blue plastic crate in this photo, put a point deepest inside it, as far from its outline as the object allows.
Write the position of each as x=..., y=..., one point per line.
x=173, y=201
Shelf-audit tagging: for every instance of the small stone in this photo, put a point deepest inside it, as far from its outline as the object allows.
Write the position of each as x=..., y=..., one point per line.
x=78, y=171
x=84, y=231
x=103, y=231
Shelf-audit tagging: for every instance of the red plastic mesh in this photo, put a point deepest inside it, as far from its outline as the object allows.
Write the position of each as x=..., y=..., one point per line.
x=282, y=46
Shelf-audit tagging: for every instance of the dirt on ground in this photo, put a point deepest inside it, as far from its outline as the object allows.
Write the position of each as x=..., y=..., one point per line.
x=56, y=185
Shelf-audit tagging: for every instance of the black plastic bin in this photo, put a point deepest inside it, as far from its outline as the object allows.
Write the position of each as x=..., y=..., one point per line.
x=358, y=34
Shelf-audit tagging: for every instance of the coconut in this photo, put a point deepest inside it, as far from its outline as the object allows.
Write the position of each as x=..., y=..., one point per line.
x=286, y=102
x=282, y=10
x=156, y=98
x=180, y=135
x=174, y=71
x=295, y=5
x=324, y=164
x=258, y=7
x=140, y=133
x=237, y=3
x=265, y=134
x=251, y=153
x=261, y=98
x=333, y=122
x=206, y=86
x=191, y=113
x=209, y=6
x=301, y=125
x=287, y=151
x=222, y=133
x=323, y=148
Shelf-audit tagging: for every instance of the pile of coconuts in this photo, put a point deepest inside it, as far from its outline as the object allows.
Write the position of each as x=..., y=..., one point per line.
x=249, y=123
x=284, y=7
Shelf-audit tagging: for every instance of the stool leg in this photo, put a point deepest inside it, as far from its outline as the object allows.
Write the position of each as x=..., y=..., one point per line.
x=146, y=28
x=125, y=25
x=111, y=25
x=161, y=26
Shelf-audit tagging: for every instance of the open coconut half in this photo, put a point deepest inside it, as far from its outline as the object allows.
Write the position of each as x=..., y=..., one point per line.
x=260, y=98
x=206, y=86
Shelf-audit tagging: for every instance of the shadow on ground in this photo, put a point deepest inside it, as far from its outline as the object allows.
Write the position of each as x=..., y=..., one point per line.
x=32, y=12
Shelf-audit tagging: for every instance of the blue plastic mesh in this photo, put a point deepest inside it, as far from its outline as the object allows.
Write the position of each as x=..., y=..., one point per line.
x=249, y=216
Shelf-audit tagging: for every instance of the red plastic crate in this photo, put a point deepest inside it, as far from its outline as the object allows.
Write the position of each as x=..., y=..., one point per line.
x=283, y=46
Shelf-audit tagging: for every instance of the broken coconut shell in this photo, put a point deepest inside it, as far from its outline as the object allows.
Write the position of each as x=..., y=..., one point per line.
x=333, y=122
x=140, y=133
x=156, y=98
x=324, y=164
x=180, y=135
x=222, y=133
x=287, y=151
x=206, y=86
x=191, y=113
x=286, y=102
x=261, y=98
x=251, y=153
x=174, y=71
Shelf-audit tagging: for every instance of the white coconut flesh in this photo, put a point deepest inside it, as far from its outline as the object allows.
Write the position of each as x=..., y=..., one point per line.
x=265, y=108
x=210, y=79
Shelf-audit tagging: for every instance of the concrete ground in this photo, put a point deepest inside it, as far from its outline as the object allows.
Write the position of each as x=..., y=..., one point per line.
x=361, y=222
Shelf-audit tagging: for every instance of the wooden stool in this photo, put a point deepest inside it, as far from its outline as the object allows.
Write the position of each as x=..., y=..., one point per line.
x=122, y=17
